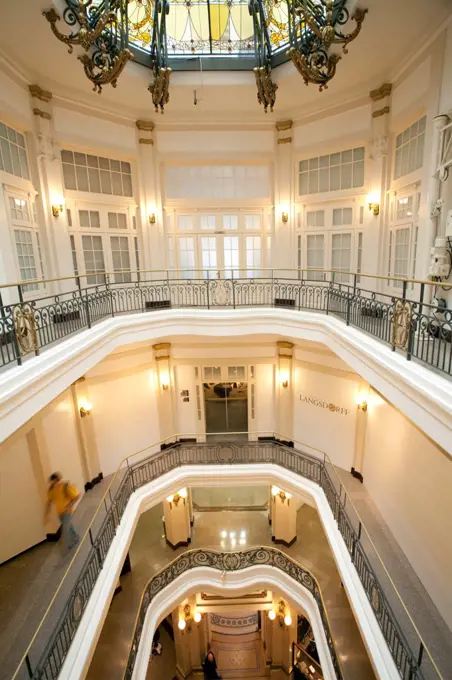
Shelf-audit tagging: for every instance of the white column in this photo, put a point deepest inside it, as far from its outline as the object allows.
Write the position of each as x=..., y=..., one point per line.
x=284, y=253
x=284, y=390
x=378, y=178
x=165, y=389
x=53, y=228
x=176, y=511
x=150, y=218
x=433, y=223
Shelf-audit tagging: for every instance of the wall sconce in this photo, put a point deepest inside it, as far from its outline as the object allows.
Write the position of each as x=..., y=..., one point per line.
x=284, y=377
x=373, y=202
x=57, y=209
x=152, y=218
x=164, y=380
x=284, y=618
x=175, y=497
x=85, y=408
x=285, y=383
x=284, y=495
x=285, y=216
x=361, y=402
x=187, y=618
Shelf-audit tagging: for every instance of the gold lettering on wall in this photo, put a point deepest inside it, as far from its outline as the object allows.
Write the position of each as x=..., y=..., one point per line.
x=325, y=404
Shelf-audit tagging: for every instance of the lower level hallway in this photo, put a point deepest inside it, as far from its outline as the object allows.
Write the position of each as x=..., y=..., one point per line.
x=149, y=553
x=240, y=656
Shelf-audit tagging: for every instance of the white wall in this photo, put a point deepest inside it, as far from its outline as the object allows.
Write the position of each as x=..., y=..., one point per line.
x=265, y=398
x=21, y=508
x=62, y=446
x=124, y=416
x=410, y=480
x=186, y=411
x=321, y=428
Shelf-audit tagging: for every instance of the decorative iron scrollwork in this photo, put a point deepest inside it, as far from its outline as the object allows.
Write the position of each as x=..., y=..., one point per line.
x=314, y=28
x=25, y=326
x=401, y=324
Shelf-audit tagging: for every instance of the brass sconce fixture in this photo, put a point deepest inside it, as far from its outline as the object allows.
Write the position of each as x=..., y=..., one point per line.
x=187, y=618
x=152, y=218
x=362, y=406
x=373, y=204
x=176, y=497
x=85, y=408
x=284, y=495
x=284, y=618
x=285, y=216
x=57, y=210
x=285, y=383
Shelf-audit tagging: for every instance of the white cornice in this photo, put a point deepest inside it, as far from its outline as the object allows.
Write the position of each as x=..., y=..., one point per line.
x=419, y=393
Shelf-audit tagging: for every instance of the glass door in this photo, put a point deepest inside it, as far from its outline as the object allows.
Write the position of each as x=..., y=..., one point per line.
x=226, y=407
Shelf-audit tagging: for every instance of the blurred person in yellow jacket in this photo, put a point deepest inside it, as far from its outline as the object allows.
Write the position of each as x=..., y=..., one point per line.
x=64, y=495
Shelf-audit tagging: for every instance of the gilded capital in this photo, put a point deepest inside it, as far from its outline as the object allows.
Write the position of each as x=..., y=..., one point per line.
x=39, y=93
x=42, y=114
x=381, y=92
x=145, y=125
x=284, y=125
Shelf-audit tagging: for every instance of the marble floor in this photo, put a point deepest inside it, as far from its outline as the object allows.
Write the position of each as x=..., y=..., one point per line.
x=149, y=552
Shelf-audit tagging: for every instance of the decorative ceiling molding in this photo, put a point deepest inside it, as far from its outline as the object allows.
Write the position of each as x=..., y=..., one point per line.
x=381, y=92
x=285, y=140
x=284, y=125
x=39, y=93
x=381, y=112
x=145, y=140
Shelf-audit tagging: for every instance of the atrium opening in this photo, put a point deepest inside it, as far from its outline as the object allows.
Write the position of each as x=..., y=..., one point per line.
x=226, y=340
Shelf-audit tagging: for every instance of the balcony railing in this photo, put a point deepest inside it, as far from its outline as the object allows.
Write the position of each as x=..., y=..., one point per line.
x=400, y=314
x=227, y=561
x=47, y=651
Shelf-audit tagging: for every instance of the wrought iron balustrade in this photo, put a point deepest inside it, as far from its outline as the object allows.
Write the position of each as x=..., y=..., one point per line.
x=227, y=561
x=405, y=323
x=46, y=654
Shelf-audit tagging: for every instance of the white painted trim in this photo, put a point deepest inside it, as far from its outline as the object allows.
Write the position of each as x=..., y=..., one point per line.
x=245, y=580
x=422, y=395
x=83, y=645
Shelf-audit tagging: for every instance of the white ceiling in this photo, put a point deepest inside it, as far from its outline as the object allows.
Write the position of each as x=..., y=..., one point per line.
x=393, y=31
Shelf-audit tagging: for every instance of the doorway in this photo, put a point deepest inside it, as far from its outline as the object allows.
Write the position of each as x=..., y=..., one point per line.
x=226, y=407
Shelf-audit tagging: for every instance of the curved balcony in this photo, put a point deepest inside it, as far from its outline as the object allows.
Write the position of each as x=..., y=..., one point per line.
x=406, y=321
x=74, y=617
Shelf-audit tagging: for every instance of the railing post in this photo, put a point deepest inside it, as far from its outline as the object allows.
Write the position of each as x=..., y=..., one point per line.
x=421, y=654
x=208, y=296
x=88, y=315
x=28, y=664
x=19, y=290
x=349, y=298
x=96, y=548
x=233, y=290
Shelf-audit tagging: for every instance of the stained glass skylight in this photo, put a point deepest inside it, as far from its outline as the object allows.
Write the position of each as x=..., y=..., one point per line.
x=207, y=27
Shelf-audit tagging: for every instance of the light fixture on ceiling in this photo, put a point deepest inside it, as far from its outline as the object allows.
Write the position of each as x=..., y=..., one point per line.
x=106, y=34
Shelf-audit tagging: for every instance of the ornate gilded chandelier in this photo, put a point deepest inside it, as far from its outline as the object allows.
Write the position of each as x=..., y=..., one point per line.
x=110, y=33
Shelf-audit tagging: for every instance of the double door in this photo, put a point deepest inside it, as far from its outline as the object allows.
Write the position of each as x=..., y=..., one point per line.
x=226, y=407
x=214, y=256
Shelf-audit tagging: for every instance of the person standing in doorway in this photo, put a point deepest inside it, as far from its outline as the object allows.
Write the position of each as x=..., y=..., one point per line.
x=64, y=495
x=210, y=667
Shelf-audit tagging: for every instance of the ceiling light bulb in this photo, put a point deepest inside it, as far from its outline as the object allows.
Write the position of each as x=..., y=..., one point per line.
x=197, y=617
x=181, y=625
x=288, y=620
x=275, y=491
x=272, y=615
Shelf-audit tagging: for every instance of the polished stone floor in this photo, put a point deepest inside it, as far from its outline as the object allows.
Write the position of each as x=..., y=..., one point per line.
x=149, y=552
